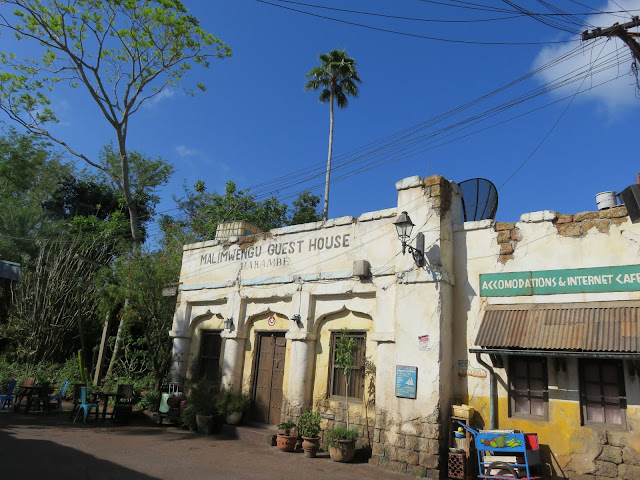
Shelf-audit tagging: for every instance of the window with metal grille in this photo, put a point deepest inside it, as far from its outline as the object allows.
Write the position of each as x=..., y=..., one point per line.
x=602, y=393
x=528, y=387
x=209, y=360
x=356, y=377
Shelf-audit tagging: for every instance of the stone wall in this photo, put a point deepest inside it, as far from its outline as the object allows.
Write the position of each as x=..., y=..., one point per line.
x=616, y=460
x=413, y=448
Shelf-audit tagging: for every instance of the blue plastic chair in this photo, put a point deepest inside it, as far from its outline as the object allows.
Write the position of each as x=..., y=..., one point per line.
x=57, y=397
x=7, y=398
x=87, y=407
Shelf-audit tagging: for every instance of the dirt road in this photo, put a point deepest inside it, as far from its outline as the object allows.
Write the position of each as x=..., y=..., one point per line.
x=51, y=446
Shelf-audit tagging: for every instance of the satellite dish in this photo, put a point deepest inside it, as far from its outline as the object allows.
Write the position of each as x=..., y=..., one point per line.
x=479, y=199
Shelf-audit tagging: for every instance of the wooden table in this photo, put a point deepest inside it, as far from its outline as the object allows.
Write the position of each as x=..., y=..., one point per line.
x=41, y=391
x=104, y=397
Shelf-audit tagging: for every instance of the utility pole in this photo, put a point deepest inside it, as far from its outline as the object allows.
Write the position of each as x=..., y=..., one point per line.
x=620, y=31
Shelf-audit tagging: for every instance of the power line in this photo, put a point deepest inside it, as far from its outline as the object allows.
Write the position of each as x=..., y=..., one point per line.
x=413, y=35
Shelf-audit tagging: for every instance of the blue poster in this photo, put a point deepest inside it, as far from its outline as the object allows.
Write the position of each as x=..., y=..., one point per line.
x=406, y=381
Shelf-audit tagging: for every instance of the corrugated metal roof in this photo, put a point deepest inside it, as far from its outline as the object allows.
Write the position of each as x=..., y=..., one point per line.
x=591, y=327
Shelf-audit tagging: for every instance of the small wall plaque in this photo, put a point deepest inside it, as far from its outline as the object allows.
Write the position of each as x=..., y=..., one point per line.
x=406, y=381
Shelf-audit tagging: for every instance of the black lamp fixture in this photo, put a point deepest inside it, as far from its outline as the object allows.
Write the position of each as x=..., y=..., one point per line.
x=297, y=320
x=404, y=225
x=228, y=323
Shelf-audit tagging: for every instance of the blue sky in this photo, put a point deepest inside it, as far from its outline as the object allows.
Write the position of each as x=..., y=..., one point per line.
x=256, y=123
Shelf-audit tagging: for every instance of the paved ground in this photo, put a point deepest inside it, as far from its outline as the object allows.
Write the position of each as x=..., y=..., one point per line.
x=51, y=446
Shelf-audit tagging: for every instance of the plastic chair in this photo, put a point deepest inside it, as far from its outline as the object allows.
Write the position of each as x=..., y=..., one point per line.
x=7, y=398
x=84, y=405
x=57, y=397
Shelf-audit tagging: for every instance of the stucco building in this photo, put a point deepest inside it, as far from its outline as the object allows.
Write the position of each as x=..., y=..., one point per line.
x=535, y=324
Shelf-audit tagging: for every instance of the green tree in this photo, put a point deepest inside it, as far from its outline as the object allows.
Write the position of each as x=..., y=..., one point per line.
x=305, y=209
x=337, y=78
x=122, y=52
x=205, y=210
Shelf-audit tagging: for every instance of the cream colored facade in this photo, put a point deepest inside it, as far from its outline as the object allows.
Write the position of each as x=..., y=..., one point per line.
x=299, y=284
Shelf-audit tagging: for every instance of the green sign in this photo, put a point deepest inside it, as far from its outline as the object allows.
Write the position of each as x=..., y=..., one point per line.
x=624, y=278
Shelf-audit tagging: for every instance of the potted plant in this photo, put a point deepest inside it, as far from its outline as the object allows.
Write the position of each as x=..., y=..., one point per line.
x=286, y=440
x=342, y=441
x=309, y=428
x=200, y=409
x=232, y=405
x=342, y=444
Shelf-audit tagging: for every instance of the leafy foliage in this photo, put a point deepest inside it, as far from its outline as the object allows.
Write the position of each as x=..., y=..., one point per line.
x=201, y=400
x=286, y=427
x=336, y=78
x=230, y=402
x=346, y=348
x=340, y=433
x=309, y=423
x=123, y=53
x=205, y=210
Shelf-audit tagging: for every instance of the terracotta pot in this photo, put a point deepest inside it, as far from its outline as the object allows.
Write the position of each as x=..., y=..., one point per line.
x=343, y=451
x=287, y=443
x=234, y=418
x=205, y=424
x=310, y=445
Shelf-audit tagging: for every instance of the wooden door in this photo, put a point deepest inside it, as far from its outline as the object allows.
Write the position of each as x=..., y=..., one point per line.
x=269, y=378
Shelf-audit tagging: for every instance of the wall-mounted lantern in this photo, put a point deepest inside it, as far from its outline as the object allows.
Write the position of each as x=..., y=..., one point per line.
x=228, y=323
x=295, y=318
x=404, y=225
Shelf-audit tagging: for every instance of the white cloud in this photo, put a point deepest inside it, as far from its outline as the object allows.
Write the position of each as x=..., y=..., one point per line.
x=184, y=151
x=601, y=86
x=165, y=94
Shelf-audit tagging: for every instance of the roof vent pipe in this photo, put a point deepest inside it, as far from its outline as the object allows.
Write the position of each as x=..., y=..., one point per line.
x=606, y=200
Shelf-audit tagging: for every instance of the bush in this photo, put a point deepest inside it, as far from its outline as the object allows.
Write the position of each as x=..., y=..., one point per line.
x=340, y=433
x=42, y=372
x=286, y=427
x=150, y=401
x=201, y=400
x=230, y=402
x=309, y=423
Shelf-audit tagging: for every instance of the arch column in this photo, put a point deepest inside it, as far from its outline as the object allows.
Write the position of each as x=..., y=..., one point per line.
x=179, y=357
x=232, y=363
x=301, y=364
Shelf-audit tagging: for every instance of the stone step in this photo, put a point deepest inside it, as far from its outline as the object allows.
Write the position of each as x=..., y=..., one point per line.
x=264, y=435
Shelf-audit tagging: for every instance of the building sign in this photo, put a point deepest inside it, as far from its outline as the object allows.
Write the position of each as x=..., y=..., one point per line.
x=406, y=381
x=466, y=370
x=274, y=254
x=624, y=278
x=271, y=321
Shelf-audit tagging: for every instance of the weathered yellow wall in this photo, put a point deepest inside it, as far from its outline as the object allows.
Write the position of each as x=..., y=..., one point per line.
x=259, y=324
x=352, y=321
x=572, y=445
x=215, y=322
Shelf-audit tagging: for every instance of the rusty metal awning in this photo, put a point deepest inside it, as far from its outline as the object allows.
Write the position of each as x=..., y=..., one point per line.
x=570, y=328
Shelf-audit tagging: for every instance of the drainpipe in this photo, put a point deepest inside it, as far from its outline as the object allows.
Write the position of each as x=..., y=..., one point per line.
x=493, y=383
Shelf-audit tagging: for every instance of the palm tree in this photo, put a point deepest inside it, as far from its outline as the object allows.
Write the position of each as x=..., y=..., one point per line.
x=337, y=77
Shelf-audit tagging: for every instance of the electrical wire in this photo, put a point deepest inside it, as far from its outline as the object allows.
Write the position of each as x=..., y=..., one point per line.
x=413, y=35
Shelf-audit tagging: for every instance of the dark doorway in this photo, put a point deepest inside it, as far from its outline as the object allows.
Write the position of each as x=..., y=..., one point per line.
x=269, y=377
x=209, y=360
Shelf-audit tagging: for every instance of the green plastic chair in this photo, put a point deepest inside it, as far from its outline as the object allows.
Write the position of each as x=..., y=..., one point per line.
x=85, y=406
